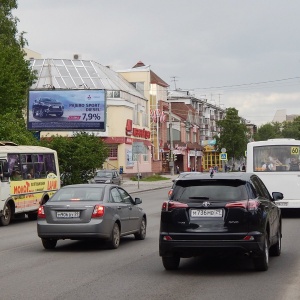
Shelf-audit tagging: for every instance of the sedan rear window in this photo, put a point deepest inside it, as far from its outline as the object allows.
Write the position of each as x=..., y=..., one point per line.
x=104, y=174
x=78, y=194
x=191, y=191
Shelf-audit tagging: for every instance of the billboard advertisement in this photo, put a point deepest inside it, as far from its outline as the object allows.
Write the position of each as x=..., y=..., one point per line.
x=64, y=110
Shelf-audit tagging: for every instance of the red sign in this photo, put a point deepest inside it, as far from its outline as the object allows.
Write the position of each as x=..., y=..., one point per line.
x=141, y=133
x=128, y=127
x=128, y=140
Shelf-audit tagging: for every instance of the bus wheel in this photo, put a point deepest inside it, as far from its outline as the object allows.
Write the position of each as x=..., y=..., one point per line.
x=6, y=217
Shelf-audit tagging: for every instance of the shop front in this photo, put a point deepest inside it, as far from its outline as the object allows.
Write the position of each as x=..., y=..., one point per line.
x=131, y=153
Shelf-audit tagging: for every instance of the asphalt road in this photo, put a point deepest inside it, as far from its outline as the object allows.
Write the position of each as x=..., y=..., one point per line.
x=80, y=270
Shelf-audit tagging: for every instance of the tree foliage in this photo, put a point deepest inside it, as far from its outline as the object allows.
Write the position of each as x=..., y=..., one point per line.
x=78, y=156
x=287, y=129
x=291, y=129
x=268, y=131
x=233, y=136
x=14, y=129
x=15, y=74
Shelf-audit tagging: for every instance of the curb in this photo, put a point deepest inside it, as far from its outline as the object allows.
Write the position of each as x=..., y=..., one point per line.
x=147, y=190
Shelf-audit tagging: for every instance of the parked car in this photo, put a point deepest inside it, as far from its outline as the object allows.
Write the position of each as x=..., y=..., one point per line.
x=90, y=211
x=107, y=176
x=43, y=107
x=181, y=175
x=228, y=212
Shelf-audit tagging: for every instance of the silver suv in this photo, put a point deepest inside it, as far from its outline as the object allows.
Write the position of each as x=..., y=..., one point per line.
x=107, y=176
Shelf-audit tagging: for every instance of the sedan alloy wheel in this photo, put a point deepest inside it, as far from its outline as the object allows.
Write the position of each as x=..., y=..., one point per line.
x=115, y=237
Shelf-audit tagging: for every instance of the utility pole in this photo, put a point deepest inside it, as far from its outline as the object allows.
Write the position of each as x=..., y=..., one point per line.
x=171, y=162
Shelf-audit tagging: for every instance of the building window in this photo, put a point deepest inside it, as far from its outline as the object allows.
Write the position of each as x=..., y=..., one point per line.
x=135, y=118
x=139, y=86
x=113, y=151
x=145, y=120
x=113, y=94
x=194, y=137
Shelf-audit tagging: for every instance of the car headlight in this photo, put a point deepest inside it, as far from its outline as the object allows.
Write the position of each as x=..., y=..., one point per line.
x=108, y=181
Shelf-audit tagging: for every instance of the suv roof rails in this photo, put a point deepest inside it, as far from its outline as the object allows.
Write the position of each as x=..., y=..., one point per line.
x=8, y=143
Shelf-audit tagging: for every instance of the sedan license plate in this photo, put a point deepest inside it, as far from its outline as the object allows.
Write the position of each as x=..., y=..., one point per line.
x=282, y=204
x=208, y=213
x=68, y=214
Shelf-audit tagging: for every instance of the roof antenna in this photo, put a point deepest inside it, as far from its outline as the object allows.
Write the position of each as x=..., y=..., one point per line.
x=174, y=79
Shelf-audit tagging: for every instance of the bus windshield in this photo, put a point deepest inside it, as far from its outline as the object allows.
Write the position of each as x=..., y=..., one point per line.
x=276, y=158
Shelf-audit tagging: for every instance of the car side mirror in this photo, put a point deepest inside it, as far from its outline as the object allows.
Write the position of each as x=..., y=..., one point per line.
x=137, y=201
x=277, y=196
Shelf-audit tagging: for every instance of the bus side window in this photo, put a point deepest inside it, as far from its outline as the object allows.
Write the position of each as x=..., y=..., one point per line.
x=50, y=163
x=15, y=175
x=39, y=170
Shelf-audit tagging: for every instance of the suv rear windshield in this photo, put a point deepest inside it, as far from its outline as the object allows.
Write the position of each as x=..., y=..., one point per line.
x=191, y=191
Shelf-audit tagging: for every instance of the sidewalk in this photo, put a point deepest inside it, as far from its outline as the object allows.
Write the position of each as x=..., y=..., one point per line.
x=141, y=186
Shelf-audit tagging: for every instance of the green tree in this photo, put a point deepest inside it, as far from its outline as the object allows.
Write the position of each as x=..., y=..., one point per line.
x=233, y=135
x=268, y=131
x=78, y=156
x=14, y=129
x=15, y=74
x=291, y=129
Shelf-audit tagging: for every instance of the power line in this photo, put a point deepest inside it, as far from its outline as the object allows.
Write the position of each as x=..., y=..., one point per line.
x=246, y=84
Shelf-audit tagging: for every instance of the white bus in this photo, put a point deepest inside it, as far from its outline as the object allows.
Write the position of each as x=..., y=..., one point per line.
x=277, y=163
x=29, y=176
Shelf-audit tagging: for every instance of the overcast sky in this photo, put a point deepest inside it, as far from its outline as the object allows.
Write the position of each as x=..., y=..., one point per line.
x=242, y=54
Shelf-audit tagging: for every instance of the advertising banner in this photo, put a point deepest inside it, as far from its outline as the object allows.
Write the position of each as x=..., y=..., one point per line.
x=54, y=110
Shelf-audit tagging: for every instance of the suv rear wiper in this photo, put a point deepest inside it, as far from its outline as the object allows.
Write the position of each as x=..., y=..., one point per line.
x=200, y=198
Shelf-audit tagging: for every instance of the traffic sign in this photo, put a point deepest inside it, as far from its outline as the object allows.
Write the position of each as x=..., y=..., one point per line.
x=223, y=156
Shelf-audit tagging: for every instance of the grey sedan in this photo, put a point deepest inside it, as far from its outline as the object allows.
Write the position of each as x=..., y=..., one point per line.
x=91, y=211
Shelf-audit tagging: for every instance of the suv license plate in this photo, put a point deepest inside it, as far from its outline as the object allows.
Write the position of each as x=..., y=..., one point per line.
x=214, y=213
x=68, y=214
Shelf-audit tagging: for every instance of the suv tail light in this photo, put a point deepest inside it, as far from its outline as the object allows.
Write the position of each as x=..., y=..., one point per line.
x=246, y=204
x=41, y=213
x=98, y=211
x=170, y=205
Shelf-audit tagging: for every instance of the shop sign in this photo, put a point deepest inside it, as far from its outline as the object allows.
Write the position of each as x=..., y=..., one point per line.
x=128, y=140
x=141, y=133
x=181, y=148
x=157, y=116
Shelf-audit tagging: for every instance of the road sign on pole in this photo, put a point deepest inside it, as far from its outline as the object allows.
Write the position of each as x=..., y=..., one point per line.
x=223, y=156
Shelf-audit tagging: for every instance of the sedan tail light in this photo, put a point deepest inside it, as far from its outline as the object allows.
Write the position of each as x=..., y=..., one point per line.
x=170, y=205
x=98, y=211
x=246, y=204
x=41, y=213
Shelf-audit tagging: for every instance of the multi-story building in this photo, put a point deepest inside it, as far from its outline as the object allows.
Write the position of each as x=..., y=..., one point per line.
x=155, y=90
x=127, y=128
x=198, y=128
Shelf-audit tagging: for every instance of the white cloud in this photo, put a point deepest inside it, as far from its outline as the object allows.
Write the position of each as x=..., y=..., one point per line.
x=203, y=43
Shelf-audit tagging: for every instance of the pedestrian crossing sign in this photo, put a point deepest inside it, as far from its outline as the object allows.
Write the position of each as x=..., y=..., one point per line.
x=223, y=156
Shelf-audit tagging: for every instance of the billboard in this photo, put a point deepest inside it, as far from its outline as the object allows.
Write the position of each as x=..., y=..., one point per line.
x=64, y=110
